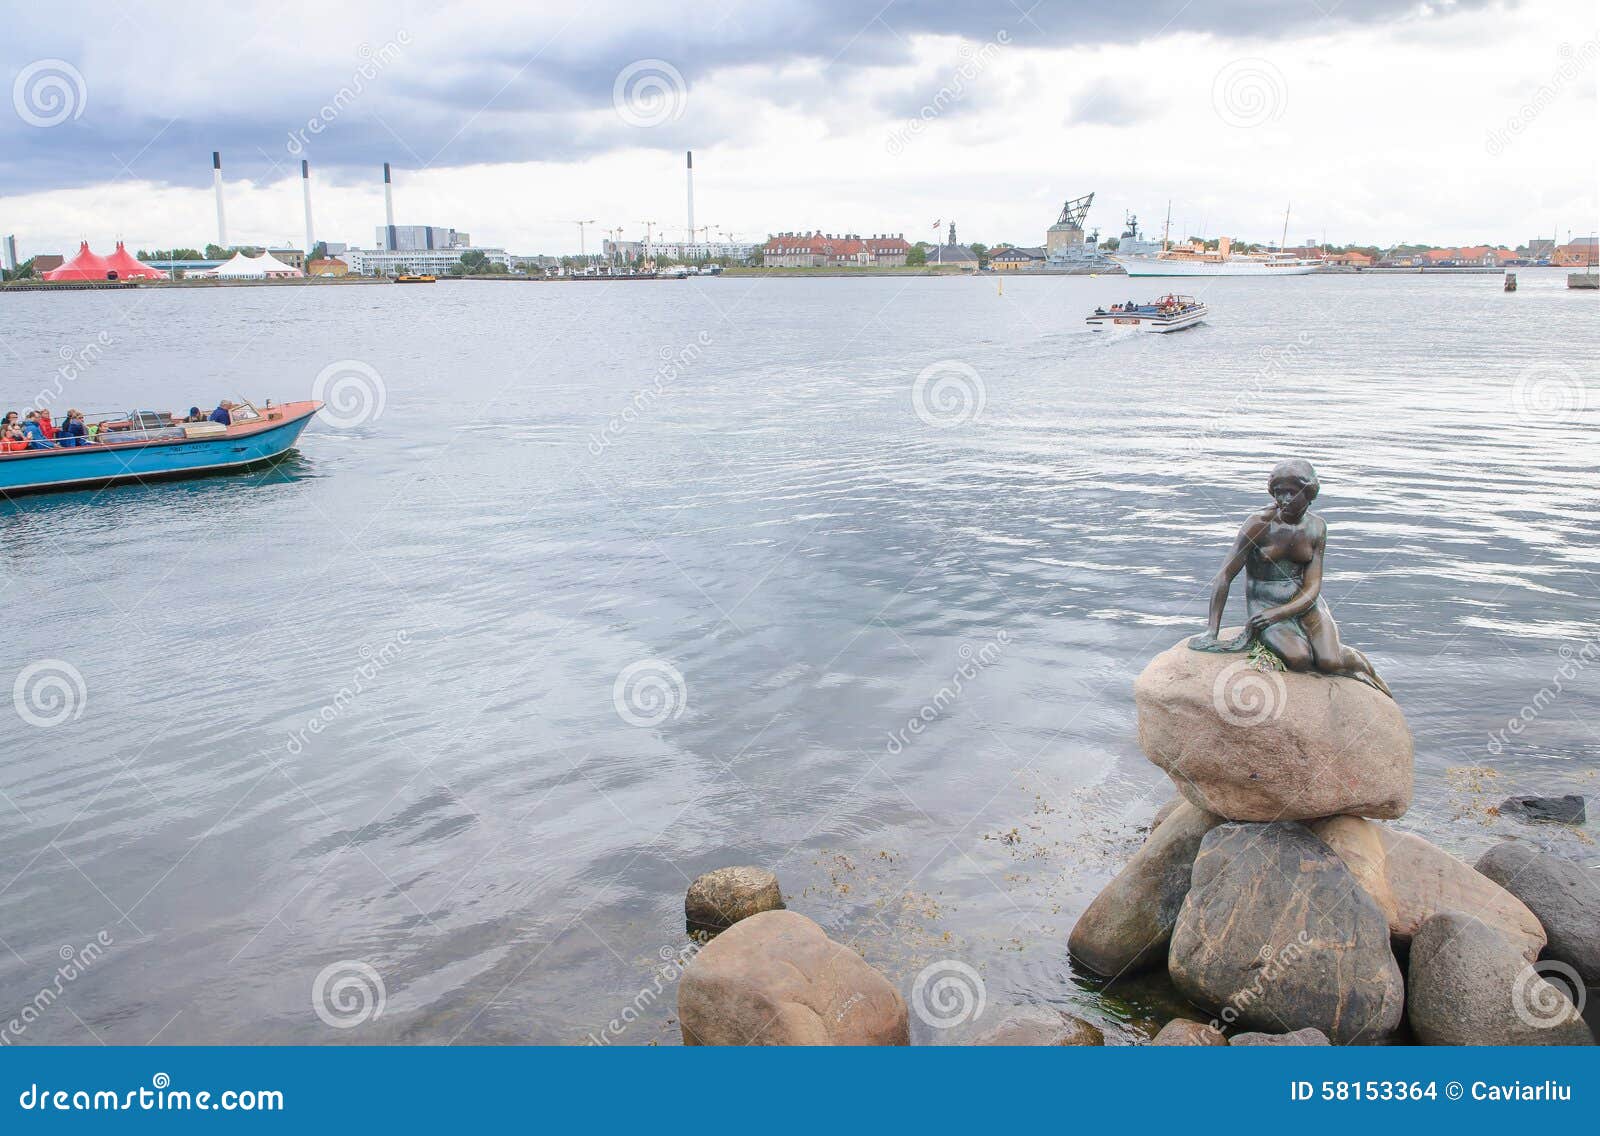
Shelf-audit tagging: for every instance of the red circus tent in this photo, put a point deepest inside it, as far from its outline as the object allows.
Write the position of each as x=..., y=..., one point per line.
x=85, y=266
x=129, y=267
x=92, y=266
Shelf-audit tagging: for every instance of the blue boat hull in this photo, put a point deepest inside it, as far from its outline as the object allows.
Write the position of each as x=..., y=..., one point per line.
x=87, y=467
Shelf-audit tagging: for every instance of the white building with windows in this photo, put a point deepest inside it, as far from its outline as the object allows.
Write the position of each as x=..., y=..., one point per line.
x=431, y=262
x=689, y=252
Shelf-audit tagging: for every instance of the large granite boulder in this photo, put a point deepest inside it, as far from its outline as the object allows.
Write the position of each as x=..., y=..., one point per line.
x=1412, y=879
x=1258, y=745
x=1126, y=928
x=1182, y=1031
x=1030, y=1025
x=777, y=979
x=1468, y=984
x=1565, y=897
x=1276, y=933
x=720, y=898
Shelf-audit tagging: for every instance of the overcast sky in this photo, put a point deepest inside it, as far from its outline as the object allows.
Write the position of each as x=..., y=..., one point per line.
x=1445, y=122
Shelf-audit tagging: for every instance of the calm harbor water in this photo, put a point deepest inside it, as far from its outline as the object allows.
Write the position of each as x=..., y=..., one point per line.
x=581, y=590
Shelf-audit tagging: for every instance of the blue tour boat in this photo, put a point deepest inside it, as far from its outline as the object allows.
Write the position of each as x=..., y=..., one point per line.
x=146, y=446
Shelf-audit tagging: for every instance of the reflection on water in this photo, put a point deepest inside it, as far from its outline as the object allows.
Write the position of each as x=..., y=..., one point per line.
x=363, y=706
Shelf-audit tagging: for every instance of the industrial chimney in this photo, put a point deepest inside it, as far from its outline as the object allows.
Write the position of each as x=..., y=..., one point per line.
x=690, y=155
x=216, y=181
x=388, y=210
x=305, y=185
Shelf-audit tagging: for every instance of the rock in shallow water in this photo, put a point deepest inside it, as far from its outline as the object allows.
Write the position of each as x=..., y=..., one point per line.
x=1298, y=1037
x=1469, y=985
x=777, y=979
x=1553, y=810
x=1565, y=897
x=1127, y=927
x=1412, y=879
x=1181, y=1031
x=1269, y=745
x=1037, y=1026
x=720, y=898
x=1276, y=933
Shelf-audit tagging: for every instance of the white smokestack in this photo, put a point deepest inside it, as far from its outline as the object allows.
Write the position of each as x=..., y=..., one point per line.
x=388, y=209
x=690, y=154
x=305, y=185
x=216, y=181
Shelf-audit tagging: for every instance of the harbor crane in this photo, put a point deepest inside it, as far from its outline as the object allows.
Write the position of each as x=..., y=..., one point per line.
x=1074, y=211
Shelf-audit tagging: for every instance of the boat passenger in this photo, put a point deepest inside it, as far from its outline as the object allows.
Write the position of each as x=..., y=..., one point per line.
x=34, y=433
x=196, y=415
x=222, y=413
x=73, y=432
x=12, y=438
x=46, y=425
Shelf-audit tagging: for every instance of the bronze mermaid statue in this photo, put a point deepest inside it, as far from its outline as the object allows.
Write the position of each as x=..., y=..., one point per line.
x=1280, y=549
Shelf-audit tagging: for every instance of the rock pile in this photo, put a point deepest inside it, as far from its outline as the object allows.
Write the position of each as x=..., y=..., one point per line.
x=1277, y=900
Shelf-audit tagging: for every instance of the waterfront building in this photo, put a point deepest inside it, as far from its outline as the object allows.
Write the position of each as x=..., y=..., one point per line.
x=8, y=254
x=413, y=238
x=434, y=262
x=46, y=261
x=1351, y=259
x=1014, y=259
x=825, y=250
x=689, y=252
x=328, y=266
x=295, y=258
x=952, y=254
x=1581, y=253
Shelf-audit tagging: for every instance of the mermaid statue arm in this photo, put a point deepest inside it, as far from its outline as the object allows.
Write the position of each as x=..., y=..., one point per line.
x=1220, y=584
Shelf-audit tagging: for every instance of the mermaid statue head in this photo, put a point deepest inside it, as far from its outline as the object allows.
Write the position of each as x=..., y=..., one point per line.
x=1293, y=485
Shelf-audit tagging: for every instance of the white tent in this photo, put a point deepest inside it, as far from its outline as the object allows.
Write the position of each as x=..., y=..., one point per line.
x=261, y=267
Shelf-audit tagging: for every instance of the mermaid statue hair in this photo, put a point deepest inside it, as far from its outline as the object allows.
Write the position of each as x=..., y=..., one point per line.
x=1297, y=470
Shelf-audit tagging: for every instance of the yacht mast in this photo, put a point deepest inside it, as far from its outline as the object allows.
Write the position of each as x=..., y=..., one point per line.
x=1283, y=242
